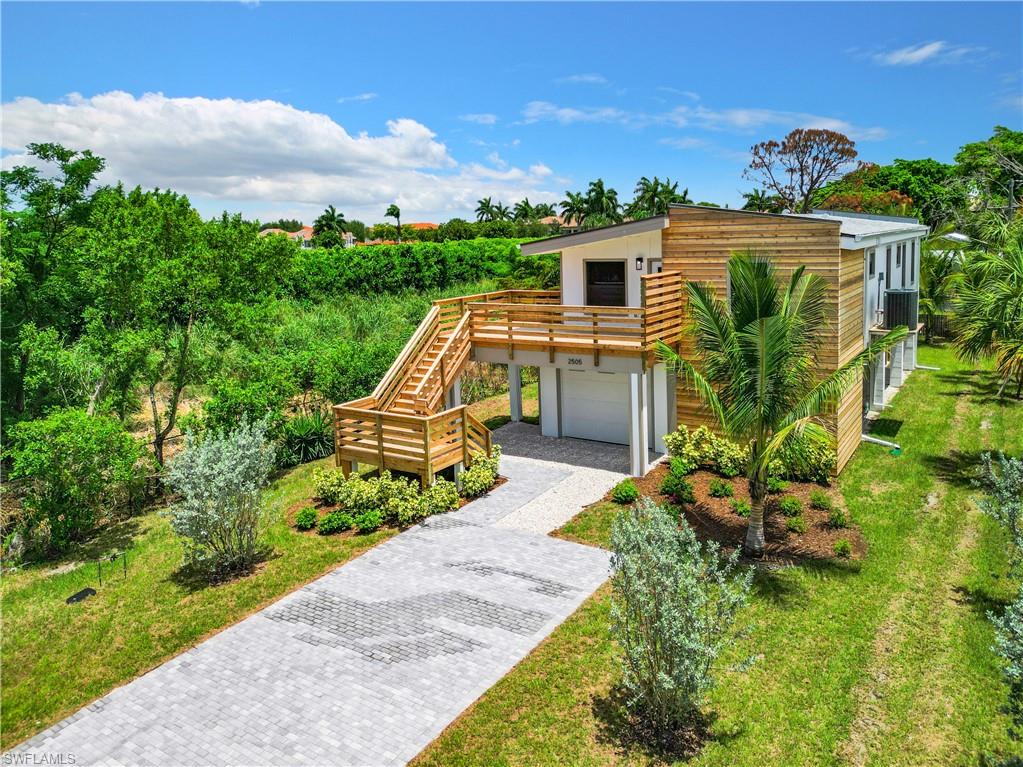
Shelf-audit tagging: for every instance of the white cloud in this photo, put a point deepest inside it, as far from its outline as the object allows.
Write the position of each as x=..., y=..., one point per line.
x=539, y=111
x=359, y=97
x=262, y=152
x=933, y=51
x=589, y=78
x=736, y=120
x=684, y=142
x=482, y=118
x=688, y=94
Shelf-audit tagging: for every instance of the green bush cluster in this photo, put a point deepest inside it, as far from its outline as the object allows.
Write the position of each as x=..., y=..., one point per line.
x=776, y=485
x=820, y=500
x=838, y=518
x=398, y=500
x=320, y=272
x=369, y=521
x=79, y=467
x=796, y=524
x=741, y=507
x=625, y=492
x=790, y=506
x=335, y=522
x=481, y=474
x=720, y=489
x=797, y=460
x=843, y=548
x=675, y=485
x=306, y=518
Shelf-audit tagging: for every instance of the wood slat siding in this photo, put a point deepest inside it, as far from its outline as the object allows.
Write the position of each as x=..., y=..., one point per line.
x=698, y=243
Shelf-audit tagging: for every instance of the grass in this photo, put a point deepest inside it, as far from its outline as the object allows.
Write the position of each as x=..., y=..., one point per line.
x=494, y=411
x=885, y=662
x=57, y=657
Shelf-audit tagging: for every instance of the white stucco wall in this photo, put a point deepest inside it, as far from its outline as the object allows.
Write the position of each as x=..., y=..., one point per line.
x=873, y=287
x=573, y=275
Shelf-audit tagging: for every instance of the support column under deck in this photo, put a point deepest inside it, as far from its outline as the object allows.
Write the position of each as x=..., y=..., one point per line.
x=515, y=391
x=638, y=429
x=898, y=364
x=877, y=372
x=660, y=399
x=550, y=402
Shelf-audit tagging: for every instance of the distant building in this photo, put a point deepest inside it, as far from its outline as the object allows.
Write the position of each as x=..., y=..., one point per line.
x=303, y=236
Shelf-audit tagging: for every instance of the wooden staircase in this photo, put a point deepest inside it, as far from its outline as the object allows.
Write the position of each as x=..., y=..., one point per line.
x=403, y=425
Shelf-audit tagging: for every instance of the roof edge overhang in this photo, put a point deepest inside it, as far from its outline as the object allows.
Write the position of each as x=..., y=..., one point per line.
x=589, y=236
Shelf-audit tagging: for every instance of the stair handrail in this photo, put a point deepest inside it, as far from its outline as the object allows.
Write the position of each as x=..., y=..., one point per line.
x=397, y=373
x=441, y=367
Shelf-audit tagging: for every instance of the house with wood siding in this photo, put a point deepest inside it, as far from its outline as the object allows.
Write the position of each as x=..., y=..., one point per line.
x=593, y=339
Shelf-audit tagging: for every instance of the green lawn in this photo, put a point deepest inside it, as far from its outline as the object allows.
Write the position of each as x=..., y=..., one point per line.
x=887, y=662
x=57, y=657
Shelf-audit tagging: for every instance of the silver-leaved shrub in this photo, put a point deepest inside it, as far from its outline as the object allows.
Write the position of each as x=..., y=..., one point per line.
x=220, y=514
x=673, y=609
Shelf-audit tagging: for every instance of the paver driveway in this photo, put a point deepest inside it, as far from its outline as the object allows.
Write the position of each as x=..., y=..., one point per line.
x=366, y=665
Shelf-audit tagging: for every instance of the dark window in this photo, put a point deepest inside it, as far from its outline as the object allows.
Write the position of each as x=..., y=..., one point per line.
x=605, y=283
x=870, y=263
x=912, y=263
x=888, y=267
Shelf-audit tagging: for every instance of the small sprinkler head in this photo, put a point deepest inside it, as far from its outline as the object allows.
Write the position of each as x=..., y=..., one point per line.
x=896, y=452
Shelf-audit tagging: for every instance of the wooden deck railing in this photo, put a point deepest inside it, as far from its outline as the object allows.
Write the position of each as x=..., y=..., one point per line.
x=662, y=305
x=452, y=309
x=421, y=445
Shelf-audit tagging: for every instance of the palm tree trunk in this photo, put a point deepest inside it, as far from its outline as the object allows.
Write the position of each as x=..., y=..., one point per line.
x=754, y=545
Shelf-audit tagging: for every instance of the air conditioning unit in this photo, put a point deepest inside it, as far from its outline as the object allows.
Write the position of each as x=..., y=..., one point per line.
x=901, y=307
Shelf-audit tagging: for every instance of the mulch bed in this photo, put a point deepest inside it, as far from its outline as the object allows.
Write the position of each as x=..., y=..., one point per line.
x=714, y=519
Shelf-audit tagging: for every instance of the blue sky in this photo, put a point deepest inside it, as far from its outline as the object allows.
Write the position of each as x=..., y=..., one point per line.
x=282, y=108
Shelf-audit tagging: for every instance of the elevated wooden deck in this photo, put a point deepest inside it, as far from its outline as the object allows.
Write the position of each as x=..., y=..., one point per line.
x=401, y=426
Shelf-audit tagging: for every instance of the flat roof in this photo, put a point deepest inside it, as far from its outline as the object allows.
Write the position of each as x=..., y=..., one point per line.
x=588, y=236
x=861, y=225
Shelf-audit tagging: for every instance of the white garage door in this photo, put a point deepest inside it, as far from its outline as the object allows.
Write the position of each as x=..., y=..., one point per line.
x=595, y=406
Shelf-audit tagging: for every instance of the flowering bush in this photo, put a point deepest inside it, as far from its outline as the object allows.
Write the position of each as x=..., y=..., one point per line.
x=482, y=474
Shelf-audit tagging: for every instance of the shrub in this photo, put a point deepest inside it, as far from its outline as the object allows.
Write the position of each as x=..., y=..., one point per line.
x=481, y=474
x=843, y=548
x=673, y=607
x=306, y=518
x=1002, y=483
x=838, y=518
x=348, y=370
x=799, y=459
x=820, y=500
x=678, y=488
x=720, y=489
x=78, y=467
x=1009, y=646
x=368, y=521
x=308, y=437
x=441, y=496
x=790, y=506
x=335, y=522
x=220, y=478
x=358, y=494
x=328, y=484
x=625, y=492
x=233, y=403
x=741, y=507
x=776, y=485
x=796, y=524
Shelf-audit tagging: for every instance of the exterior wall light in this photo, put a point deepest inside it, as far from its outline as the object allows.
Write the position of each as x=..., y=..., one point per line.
x=639, y=263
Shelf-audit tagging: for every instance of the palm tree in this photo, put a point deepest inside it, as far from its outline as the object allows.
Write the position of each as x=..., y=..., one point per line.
x=329, y=226
x=574, y=208
x=655, y=198
x=940, y=273
x=485, y=209
x=757, y=366
x=524, y=211
x=393, y=211
x=544, y=210
x=603, y=201
x=761, y=201
x=501, y=212
x=989, y=304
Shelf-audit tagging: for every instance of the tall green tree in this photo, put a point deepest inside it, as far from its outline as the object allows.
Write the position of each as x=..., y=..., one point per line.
x=800, y=164
x=574, y=209
x=757, y=366
x=603, y=201
x=523, y=211
x=485, y=209
x=760, y=201
x=329, y=228
x=501, y=212
x=940, y=274
x=43, y=213
x=393, y=211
